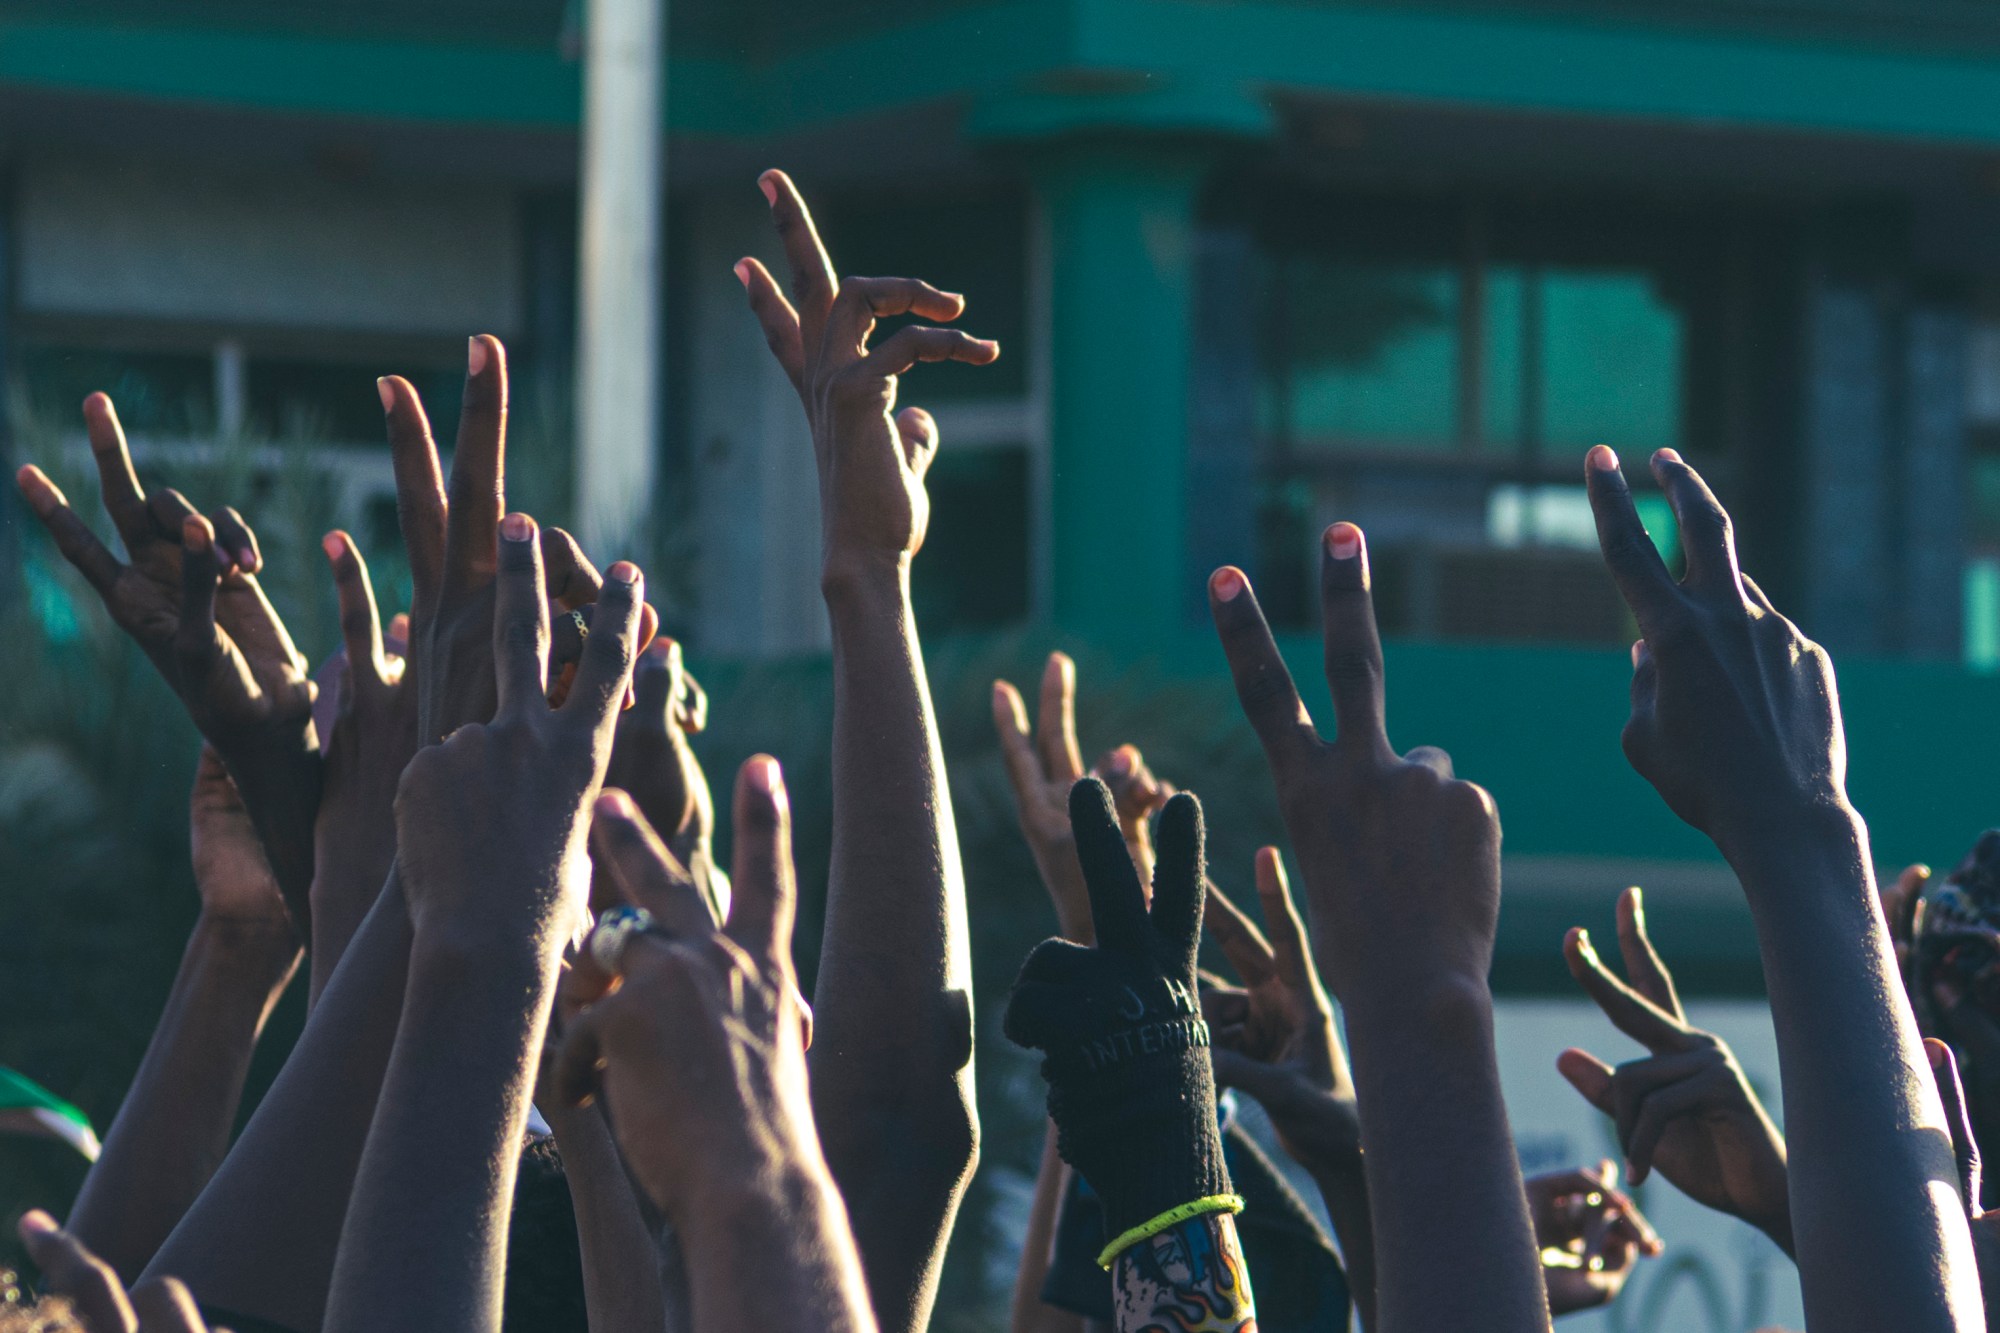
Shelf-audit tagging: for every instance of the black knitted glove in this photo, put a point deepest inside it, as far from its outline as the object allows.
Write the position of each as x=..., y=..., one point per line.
x=1127, y=1050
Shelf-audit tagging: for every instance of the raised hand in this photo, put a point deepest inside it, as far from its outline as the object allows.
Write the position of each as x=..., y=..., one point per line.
x=490, y=834
x=97, y=1299
x=1685, y=1109
x=699, y=1053
x=1735, y=718
x=539, y=766
x=893, y=998
x=872, y=458
x=1985, y=1226
x=1591, y=1236
x=1401, y=863
x=1274, y=1037
x=1736, y=723
x=188, y=595
x=369, y=735
x=653, y=763
x=1043, y=765
x=452, y=541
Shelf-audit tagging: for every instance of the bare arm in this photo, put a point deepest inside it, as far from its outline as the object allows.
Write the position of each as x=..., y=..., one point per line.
x=892, y=1055
x=173, y=1128
x=622, y=1288
x=1401, y=863
x=1736, y=722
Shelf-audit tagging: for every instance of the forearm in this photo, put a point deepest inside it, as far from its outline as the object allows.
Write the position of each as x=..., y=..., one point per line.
x=892, y=1052
x=425, y=1240
x=173, y=1129
x=1190, y=1278
x=346, y=883
x=1345, y=1192
x=771, y=1251
x=1880, y=1237
x=622, y=1287
x=1433, y=1126
x=1030, y=1313
x=261, y=1238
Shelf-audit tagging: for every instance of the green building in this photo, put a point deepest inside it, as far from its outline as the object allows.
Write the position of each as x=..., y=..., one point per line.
x=1256, y=266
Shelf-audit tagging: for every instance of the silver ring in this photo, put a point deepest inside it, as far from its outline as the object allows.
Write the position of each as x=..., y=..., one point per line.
x=614, y=930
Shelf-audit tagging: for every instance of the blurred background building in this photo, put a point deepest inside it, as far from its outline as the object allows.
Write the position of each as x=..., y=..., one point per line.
x=1256, y=266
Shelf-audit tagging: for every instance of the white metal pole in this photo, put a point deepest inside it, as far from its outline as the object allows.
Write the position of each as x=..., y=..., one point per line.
x=619, y=275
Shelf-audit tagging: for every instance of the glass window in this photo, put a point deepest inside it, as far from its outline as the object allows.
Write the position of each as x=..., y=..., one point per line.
x=1373, y=354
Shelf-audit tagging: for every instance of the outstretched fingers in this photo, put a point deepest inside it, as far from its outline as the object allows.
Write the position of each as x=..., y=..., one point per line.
x=1353, y=645
x=1264, y=685
x=360, y=618
x=1649, y=976
x=1632, y=1013
x=1707, y=536
x=811, y=271
x=72, y=536
x=766, y=891
x=420, y=501
x=124, y=498
x=1117, y=903
x=625, y=846
x=477, y=490
x=604, y=673
x=197, y=643
x=1635, y=564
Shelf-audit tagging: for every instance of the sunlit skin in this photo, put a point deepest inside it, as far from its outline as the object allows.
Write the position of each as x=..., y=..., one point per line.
x=893, y=1004
x=1736, y=723
x=1401, y=866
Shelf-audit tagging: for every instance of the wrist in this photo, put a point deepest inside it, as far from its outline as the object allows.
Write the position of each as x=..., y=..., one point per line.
x=1446, y=1008
x=267, y=945
x=1775, y=844
x=860, y=580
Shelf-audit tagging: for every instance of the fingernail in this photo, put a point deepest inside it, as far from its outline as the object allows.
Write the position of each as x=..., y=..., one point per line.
x=1666, y=456
x=769, y=187
x=332, y=545
x=742, y=272
x=614, y=803
x=623, y=572
x=1638, y=651
x=385, y=393
x=517, y=527
x=1227, y=583
x=37, y=1221
x=399, y=625
x=1935, y=1051
x=764, y=775
x=1601, y=458
x=1343, y=541
x=196, y=535
x=475, y=355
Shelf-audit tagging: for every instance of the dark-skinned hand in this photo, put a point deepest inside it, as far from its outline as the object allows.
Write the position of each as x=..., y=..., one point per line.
x=543, y=765
x=1360, y=816
x=1274, y=1037
x=369, y=735
x=451, y=538
x=1591, y=1236
x=699, y=1051
x=1686, y=1109
x=1043, y=765
x=1971, y=1175
x=96, y=1297
x=872, y=458
x=653, y=763
x=1735, y=718
x=188, y=595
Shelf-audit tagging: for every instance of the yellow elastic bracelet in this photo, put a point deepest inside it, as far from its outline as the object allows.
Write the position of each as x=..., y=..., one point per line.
x=1173, y=1217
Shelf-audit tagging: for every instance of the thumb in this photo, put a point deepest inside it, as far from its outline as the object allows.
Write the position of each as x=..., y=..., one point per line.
x=1964, y=1148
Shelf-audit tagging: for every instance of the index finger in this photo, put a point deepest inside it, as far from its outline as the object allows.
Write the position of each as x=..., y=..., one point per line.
x=1287, y=932
x=520, y=622
x=1631, y=1013
x=124, y=498
x=1642, y=963
x=604, y=673
x=420, y=502
x=1635, y=564
x=766, y=891
x=812, y=272
x=1241, y=942
x=1353, y=645
x=1264, y=685
x=626, y=847
x=1055, y=721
